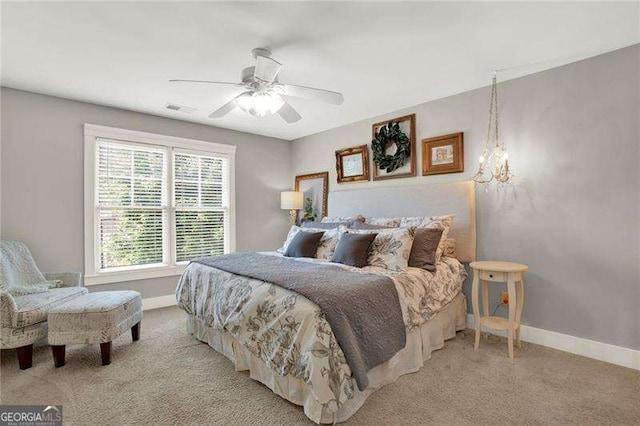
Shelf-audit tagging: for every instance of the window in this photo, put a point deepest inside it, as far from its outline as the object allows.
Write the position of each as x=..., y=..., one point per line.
x=153, y=203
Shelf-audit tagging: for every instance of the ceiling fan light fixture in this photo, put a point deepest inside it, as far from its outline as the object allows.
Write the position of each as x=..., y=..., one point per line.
x=260, y=103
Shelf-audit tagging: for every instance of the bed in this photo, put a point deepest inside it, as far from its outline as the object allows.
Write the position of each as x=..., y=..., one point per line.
x=286, y=342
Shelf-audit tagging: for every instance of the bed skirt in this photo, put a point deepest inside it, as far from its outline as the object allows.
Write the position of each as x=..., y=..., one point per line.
x=420, y=343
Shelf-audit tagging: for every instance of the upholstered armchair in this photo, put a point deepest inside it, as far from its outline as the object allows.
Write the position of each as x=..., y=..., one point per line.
x=23, y=318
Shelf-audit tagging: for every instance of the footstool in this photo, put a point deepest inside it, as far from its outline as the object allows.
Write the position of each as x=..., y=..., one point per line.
x=96, y=317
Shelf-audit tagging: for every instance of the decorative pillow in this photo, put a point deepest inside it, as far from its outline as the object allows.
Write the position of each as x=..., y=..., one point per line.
x=328, y=219
x=391, y=248
x=363, y=225
x=390, y=222
x=441, y=222
x=425, y=245
x=353, y=249
x=304, y=244
x=450, y=247
x=327, y=243
x=322, y=225
x=328, y=225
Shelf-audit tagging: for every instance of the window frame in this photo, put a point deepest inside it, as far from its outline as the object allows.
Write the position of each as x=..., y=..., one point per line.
x=92, y=132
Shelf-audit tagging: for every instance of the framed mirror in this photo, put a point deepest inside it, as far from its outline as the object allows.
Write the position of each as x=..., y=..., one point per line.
x=315, y=187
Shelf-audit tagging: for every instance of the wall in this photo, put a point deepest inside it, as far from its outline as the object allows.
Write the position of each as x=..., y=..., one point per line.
x=572, y=214
x=42, y=179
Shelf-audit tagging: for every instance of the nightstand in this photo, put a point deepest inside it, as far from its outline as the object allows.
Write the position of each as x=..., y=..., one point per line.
x=498, y=272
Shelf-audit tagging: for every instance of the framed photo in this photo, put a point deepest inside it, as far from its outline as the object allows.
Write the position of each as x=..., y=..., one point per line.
x=443, y=154
x=352, y=164
x=408, y=127
x=315, y=187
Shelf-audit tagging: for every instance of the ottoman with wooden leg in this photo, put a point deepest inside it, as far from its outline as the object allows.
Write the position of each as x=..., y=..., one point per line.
x=97, y=317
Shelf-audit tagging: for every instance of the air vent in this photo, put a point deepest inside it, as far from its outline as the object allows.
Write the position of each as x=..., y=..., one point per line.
x=181, y=108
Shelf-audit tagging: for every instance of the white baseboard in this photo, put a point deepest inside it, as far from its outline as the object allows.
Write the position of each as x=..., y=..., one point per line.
x=576, y=345
x=158, y=302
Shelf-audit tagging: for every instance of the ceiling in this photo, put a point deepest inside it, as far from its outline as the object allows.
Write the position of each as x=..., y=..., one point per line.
x=382, y=56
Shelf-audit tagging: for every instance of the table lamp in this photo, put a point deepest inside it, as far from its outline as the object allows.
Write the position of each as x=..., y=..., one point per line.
x=292, y=201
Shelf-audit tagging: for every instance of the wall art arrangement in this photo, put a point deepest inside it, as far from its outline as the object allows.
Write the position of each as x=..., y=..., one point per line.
x=315, y=187
x=394, y=148
x=443, y=154
x=352, y=164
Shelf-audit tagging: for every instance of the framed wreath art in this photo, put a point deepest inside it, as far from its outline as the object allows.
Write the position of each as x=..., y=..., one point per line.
x=394, y=148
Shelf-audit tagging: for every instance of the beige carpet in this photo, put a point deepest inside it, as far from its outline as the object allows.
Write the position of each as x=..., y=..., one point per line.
x=169, y=378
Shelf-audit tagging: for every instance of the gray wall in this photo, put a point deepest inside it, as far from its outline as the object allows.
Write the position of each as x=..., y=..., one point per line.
x=572, y=214
x=42, y=179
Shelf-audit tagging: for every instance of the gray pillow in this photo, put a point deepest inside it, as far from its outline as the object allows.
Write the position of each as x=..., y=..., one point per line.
x=367, y=226
x=353, y=249
x=425, y=245
x=304, y=244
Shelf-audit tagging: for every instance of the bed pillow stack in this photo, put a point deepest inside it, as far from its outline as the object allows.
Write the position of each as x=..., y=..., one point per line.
x=432, y=222
x=326, y=245
x=430, y=241
x=391, y=247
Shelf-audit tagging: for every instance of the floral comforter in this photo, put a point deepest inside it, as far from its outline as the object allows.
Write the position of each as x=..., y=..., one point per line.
x=288, y=333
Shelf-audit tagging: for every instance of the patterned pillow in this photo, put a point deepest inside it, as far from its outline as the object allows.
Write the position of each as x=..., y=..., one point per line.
x=450, y=247
x=442, y=222
x=327, y=243
x=391, y=248
x=391, y=222
x=334, y=219
x=363, y=225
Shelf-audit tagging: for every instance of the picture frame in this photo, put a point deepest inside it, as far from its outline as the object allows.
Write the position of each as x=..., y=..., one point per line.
x=443, y=154
x=315, y=187
x=408, y=126
x=352, y=164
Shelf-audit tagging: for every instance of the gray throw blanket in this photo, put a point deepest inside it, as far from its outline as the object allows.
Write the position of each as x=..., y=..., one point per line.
x=363, y=310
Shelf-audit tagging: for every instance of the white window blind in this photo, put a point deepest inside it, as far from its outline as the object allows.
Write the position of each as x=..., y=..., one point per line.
x=131, y=205
x=153, y=203
x=201, y=200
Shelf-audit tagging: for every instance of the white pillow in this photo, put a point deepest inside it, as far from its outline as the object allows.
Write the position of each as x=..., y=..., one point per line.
x=392, y=222
x=326, y=246
x=441, y=222
x=391, y=248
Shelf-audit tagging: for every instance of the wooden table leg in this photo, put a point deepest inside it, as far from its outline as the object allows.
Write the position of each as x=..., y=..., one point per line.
x=58, y=355
x=25, y=356
x=520, y=304
x=511, y=288
x=476, y=305
x=135, y=332
x=105, y=351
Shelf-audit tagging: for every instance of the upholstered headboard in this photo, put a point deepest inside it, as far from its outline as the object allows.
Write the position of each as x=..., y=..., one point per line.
x=416, y=200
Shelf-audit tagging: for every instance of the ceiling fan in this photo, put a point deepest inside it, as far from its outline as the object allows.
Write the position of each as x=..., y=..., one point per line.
x=264, y=95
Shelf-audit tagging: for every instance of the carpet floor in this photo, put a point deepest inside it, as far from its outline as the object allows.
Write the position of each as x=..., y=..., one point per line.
x=169, y=378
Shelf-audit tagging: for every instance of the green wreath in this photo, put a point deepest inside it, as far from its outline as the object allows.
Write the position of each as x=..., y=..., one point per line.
x=386, y=135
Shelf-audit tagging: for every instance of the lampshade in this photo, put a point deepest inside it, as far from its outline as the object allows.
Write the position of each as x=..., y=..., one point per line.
x=291, y=200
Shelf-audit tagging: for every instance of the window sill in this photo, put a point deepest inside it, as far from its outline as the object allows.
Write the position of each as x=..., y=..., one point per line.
x=133, y=275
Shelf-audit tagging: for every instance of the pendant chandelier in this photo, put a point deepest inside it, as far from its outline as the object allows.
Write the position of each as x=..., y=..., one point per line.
x=494, y=160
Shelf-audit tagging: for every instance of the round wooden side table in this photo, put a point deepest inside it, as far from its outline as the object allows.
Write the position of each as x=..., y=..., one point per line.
x=498, y=272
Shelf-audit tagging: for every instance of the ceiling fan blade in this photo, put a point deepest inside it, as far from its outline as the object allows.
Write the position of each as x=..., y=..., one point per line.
x=327, y=96
x=203, y=81
x=224, y=109
x=289, y=114
x=266, y=69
